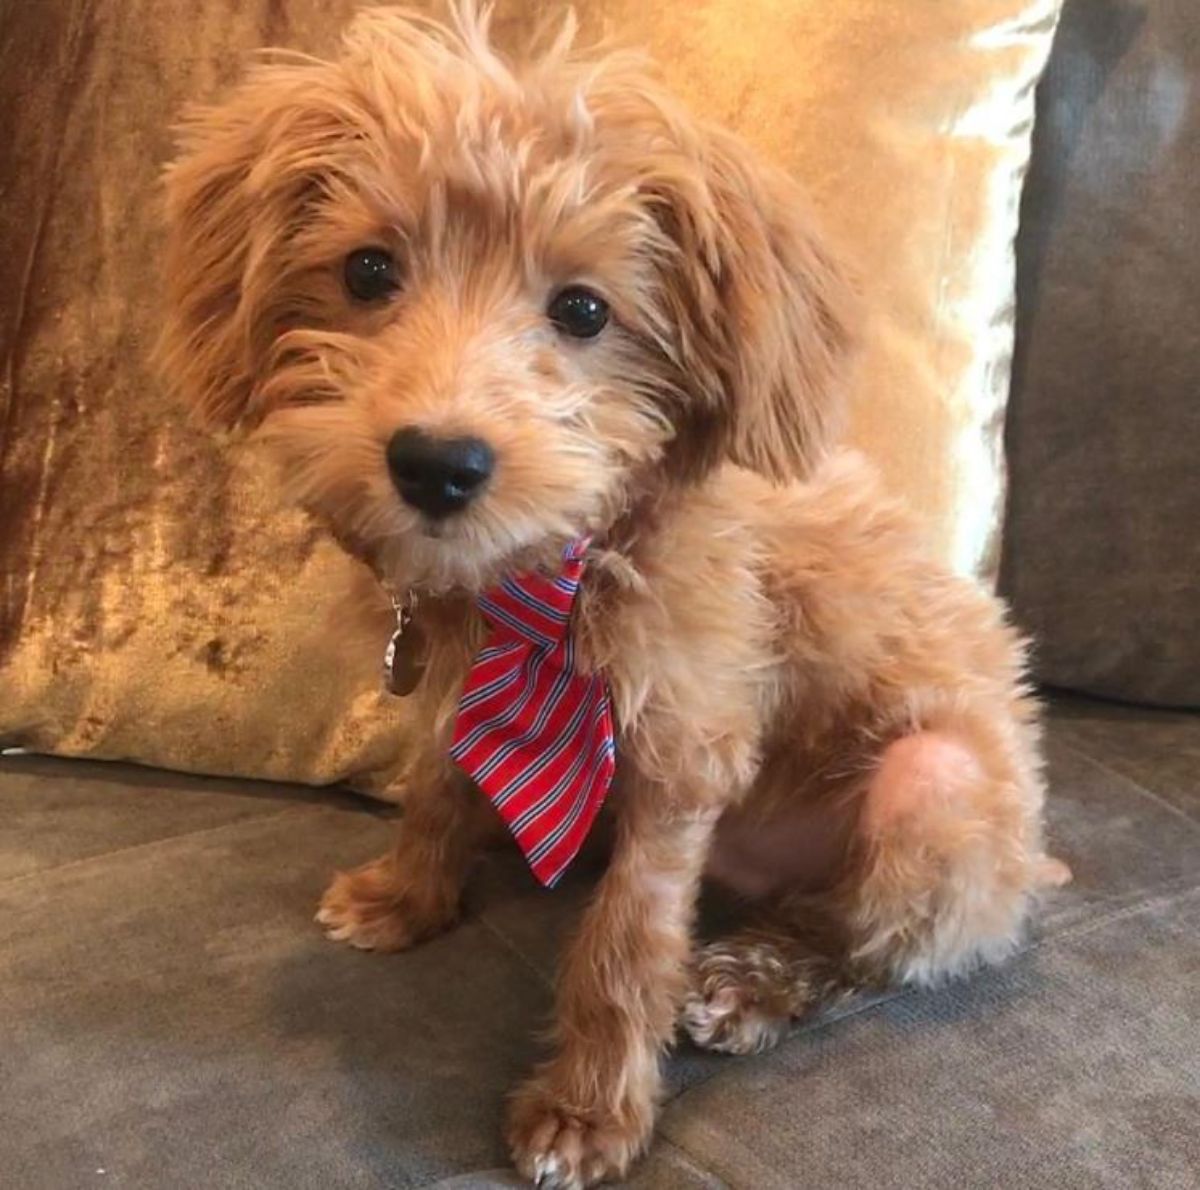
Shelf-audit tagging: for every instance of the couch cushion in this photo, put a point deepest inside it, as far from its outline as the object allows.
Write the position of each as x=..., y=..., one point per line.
x=1075, y=1067
x=1102, y=558
x=156, y=604
x=171, y=1008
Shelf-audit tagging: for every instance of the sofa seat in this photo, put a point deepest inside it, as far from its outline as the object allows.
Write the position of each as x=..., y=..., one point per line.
x=172, y=1016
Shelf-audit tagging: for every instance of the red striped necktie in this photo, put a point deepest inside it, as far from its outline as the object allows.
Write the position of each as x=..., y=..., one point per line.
x=532, y=732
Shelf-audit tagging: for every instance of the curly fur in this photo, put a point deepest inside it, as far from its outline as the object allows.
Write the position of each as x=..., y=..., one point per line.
x=808, y=706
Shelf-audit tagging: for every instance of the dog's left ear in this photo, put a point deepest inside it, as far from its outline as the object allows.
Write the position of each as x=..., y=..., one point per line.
x=763, y=316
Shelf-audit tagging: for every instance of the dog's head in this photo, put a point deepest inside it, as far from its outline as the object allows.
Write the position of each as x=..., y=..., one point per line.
x=479, y=307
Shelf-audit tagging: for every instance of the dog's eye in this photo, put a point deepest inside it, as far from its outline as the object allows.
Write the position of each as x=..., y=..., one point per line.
x=370, y=274
x=578, y=312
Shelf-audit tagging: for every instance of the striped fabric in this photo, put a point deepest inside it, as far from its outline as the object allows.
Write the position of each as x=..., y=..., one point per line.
x=533, y=734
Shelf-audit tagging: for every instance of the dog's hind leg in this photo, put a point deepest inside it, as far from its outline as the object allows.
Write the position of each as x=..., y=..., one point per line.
x=945, y=860
x=949, y=852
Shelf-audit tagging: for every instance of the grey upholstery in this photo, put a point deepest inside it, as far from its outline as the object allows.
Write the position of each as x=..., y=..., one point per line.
x=1102, y=552
x=172, y=1017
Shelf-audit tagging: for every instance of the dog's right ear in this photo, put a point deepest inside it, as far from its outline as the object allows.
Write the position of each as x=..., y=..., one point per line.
x=235, y=196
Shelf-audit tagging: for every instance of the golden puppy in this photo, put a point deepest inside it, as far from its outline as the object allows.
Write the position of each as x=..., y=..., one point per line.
x=482, y=309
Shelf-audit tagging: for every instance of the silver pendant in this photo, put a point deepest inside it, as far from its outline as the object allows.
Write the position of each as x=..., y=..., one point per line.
x=404, y=657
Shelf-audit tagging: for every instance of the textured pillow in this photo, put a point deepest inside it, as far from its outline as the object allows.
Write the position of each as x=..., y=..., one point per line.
x=1102, y=559
x=156, y=604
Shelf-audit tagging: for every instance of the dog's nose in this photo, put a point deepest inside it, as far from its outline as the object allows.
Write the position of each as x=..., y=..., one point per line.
x=438, y=476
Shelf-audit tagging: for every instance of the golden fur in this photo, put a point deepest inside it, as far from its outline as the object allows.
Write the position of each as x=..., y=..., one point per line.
x=808, y=706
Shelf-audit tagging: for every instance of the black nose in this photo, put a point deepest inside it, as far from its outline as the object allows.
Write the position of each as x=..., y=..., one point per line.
x=438, y=476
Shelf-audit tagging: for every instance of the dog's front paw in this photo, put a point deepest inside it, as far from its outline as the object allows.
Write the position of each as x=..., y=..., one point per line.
x=561, y=1147
x=372, y=909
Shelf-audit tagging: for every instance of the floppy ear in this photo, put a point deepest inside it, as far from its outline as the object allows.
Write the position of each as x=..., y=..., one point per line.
x=764, y=316
x=235, y=197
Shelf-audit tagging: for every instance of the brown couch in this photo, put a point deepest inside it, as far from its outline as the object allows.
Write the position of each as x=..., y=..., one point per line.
x=171, y=1017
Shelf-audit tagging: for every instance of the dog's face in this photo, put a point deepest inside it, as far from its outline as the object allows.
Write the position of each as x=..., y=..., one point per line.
x=479, y=308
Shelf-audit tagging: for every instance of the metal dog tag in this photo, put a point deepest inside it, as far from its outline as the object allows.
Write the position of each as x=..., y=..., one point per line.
x=404, y=657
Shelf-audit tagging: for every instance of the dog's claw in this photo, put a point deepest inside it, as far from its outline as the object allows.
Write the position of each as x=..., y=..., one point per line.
x=545, y=1172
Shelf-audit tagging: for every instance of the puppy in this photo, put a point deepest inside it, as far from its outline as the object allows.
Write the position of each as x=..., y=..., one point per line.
x=511, y=322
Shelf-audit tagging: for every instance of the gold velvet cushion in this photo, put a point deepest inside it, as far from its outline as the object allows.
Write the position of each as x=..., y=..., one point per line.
x=158, y=605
